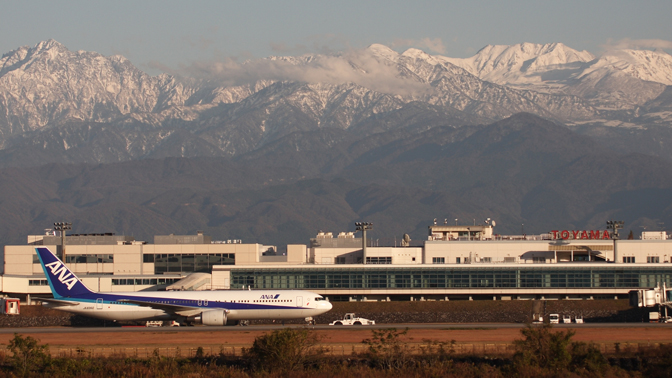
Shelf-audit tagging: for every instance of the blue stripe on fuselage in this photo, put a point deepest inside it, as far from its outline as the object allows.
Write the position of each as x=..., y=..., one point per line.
x=109, y=298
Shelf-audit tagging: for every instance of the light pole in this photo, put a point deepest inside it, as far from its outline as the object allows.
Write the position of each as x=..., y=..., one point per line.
x=62, y=227
x=614, y=226
x=363, y=226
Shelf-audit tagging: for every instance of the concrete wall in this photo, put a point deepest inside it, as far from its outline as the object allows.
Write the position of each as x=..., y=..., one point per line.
x=329, y=255
x=524, y=251
x=19, y=259
x=221, y=279
x=399, y=255
x=640, y=249
x=296, y=253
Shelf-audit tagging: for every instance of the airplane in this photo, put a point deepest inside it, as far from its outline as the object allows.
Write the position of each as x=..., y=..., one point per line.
x=210, y=308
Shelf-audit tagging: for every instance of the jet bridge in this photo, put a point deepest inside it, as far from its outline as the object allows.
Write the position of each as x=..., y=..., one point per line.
x=660, y=296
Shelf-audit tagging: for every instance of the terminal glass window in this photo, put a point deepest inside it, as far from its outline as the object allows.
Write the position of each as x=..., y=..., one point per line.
x=438, y=260
x=89, y=259
x=652, y=259
x=628, y=259
x=189, y=262
x=379, y=260
x=340, y=260
x=449, y=277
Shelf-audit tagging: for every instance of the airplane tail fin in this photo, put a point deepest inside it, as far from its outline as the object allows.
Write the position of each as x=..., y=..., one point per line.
x=62, y=281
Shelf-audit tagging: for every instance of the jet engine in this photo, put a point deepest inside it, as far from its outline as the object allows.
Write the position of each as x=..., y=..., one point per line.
x=212, y=318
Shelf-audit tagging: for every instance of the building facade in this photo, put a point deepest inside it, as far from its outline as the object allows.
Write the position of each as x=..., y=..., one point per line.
x=456, y=262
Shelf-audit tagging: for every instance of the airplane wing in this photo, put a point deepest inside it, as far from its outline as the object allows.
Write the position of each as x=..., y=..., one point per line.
x=57, y=302
x=175, y=309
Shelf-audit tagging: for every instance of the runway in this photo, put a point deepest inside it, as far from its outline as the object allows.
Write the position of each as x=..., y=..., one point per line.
x=269, y=327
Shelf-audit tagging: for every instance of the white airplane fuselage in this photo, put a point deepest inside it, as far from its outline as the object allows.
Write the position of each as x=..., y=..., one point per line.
x=206, y=307
x=240, y=304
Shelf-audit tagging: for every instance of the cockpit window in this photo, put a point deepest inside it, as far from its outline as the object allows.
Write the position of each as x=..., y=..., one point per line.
x=319, y=299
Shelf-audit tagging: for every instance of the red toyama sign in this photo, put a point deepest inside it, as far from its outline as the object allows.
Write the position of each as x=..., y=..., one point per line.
x=585, y=234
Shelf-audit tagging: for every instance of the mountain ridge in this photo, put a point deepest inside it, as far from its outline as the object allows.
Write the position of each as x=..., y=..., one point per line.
x=523, y=169
x=47, y=86
x=273, y=150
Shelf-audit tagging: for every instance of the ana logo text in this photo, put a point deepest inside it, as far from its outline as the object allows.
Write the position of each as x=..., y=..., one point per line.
x=270, y=296
x=61, y=272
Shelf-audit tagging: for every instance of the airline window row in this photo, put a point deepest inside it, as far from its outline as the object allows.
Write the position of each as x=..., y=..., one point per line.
x=143, y=281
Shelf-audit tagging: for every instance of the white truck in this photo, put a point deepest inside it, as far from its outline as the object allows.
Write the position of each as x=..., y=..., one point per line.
x=351, y=319
x=554, y=318
x=566, y=319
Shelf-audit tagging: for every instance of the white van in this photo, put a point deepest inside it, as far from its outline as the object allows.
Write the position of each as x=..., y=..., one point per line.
x=566, y=319
x=554, y=318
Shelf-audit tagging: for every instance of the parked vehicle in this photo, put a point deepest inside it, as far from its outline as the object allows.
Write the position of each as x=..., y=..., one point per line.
x=351, y=319
x=554, y=318
x=654, y=317
x=154, y=323
x=578, y=319
x=566, y=319
x=10, y=306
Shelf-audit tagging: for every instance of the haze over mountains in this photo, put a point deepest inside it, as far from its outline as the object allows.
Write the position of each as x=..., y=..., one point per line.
x=276, y=149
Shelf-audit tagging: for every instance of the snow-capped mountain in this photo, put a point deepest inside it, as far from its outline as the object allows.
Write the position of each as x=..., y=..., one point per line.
x=48, y=83
x=620, y=79
x=655, y=66
x=521, y=64
x=83, y=106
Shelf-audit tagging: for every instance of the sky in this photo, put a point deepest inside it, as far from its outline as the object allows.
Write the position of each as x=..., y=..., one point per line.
x=167, y=36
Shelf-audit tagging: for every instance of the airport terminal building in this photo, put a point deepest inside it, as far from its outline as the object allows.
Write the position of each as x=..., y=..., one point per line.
x=456, y=262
